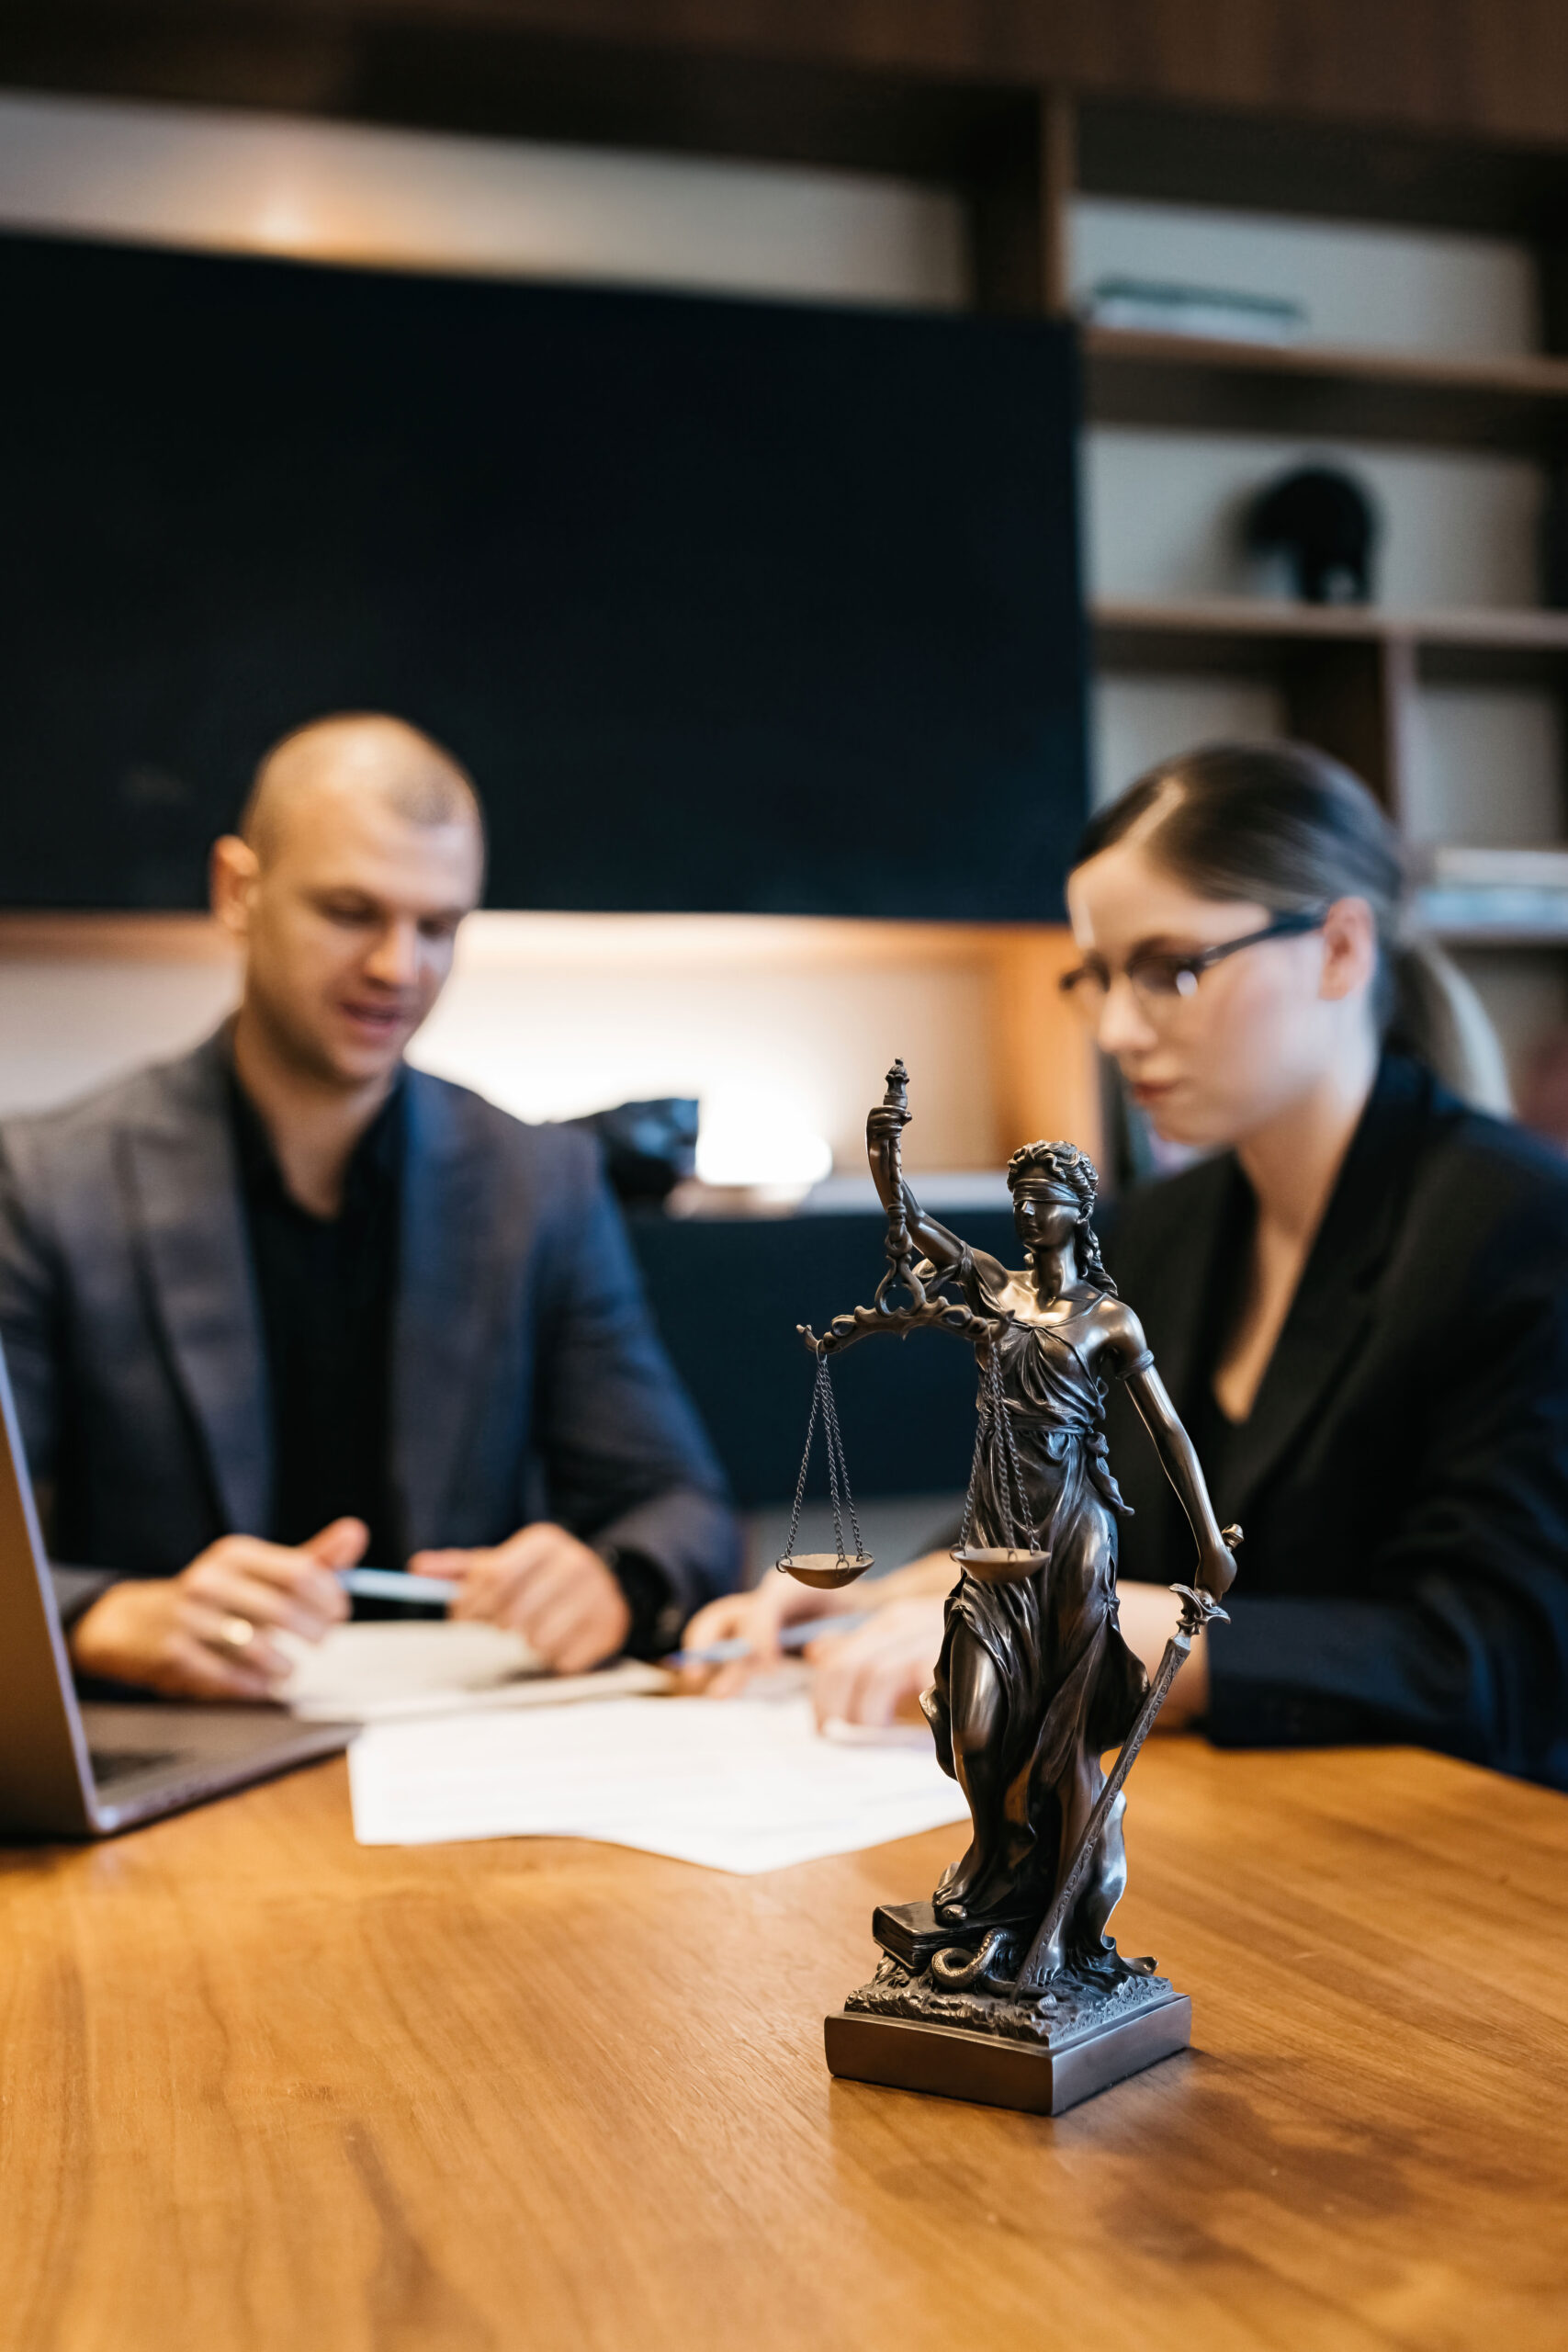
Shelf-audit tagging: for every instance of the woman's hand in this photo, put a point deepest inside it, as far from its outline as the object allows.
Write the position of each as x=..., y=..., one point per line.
x=1217, y=1570
x=877, y=1674
x=1149, y=1614
x=759, y=1618
x=1215, y=1574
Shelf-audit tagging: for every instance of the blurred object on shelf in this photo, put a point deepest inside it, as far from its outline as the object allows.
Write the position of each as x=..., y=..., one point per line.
x=1147, y=306
x=759, y=1153
x=1326, y=526
x=1493, y=891
x=1543, y=1089
x=648, y=1147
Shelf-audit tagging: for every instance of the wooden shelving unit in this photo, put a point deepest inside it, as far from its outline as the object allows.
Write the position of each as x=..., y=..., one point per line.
x=1346, y=683
x=1514, y=403
x=1348, y=677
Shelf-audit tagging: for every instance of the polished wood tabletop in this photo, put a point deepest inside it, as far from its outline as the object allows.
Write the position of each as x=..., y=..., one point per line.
x=262, y=2088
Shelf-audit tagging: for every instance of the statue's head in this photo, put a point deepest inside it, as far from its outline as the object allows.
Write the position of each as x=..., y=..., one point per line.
x=1054, y=1186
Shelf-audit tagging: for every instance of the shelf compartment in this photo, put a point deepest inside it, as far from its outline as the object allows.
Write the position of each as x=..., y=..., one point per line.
x=1347, y=673
x=1498, y=937
x=1236, y=635
x=1194, y=383
x=1496, y=897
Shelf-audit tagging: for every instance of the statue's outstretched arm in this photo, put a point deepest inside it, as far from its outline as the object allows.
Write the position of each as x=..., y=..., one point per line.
x=933, y=1241
x=1180, y=1460
x=884, y=1128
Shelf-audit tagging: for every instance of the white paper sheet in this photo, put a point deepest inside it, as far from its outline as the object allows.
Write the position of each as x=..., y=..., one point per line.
x=740, y=1784
x=380, y=1672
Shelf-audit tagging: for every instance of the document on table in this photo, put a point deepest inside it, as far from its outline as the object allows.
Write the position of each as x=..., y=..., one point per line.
x=377, y=1673
x=737, y=1784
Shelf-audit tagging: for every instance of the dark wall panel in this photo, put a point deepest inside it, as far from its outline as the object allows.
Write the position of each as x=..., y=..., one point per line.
x=729, y=605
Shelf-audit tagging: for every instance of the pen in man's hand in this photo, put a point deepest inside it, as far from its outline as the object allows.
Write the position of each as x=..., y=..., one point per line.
x=394, y=1584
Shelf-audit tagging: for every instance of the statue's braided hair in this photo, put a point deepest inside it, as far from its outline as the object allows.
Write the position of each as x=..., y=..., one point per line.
x=1073, y=1172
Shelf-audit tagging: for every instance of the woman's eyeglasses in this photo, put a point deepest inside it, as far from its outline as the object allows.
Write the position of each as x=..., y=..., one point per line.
x=1159, y=980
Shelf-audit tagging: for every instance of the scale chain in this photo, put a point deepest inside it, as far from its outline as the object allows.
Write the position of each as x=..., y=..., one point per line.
x=806, y=1459
x=1012, y=1463
x=993, y=1435
x=982, y=1417
x=838, y=1468
x=839, y=1489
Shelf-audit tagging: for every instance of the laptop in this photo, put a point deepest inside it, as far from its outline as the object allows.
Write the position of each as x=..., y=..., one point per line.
x=70, y=1768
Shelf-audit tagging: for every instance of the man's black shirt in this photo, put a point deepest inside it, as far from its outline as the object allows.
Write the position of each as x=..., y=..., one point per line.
x=326, y=1288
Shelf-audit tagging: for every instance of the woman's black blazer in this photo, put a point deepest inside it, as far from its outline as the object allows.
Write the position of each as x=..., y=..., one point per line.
x=1403, y=1479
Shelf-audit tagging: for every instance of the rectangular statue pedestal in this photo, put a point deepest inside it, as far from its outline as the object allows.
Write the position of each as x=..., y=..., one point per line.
x=1037, y=2077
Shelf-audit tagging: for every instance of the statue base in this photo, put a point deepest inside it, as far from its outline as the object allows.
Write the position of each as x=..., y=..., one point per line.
x=1092, y=2027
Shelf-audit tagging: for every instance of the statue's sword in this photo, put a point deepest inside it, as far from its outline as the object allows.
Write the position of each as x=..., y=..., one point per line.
x=1198, y=1609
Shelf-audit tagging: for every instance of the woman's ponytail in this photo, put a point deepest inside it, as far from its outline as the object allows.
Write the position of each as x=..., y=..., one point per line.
x=1437, y=1017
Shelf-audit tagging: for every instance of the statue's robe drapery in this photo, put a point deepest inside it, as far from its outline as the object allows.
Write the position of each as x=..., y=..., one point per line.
x=1071, y=1686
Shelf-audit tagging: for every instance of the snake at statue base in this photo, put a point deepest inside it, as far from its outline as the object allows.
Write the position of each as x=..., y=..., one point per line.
x=953, y=1970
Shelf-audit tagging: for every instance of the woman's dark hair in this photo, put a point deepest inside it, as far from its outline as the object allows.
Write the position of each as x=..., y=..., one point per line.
x=1290, y=828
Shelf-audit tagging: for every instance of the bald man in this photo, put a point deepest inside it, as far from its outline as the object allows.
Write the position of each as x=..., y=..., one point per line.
x=286, y=1304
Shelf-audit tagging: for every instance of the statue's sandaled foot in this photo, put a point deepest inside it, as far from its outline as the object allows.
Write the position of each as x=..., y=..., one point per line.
x=1049, y=1969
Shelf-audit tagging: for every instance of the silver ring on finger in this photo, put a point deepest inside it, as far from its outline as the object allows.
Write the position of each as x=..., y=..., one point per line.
x=236, y=1633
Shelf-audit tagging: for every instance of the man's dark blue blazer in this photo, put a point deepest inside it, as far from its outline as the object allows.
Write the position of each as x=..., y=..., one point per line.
x=527, y=1379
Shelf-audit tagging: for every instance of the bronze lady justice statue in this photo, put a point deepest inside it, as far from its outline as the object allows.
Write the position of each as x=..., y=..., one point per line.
x=1006, y=1986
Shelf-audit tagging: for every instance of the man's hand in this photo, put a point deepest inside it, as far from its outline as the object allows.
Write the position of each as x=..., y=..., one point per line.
x=1149, y=1613
x=204, y=1634
x=546, y=1586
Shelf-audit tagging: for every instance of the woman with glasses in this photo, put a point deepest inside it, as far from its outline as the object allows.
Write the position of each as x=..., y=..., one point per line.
x=1358, y=1298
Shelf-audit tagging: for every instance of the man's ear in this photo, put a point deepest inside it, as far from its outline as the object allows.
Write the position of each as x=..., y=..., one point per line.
x=1349, y=948
x=232, y=878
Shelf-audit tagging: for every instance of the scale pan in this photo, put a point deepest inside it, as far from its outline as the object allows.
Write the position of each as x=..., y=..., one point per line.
x=1000, y=1562
x=826, y=1569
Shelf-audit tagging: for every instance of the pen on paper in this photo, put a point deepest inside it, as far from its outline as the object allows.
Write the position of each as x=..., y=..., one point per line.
x=793, y=1637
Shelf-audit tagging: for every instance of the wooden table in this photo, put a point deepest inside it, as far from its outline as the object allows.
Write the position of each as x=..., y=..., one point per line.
x=262, y=2088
